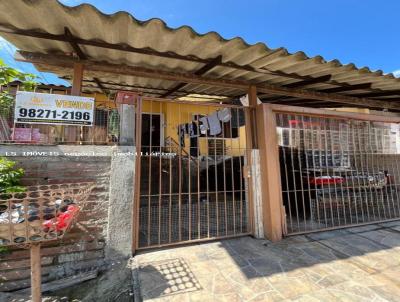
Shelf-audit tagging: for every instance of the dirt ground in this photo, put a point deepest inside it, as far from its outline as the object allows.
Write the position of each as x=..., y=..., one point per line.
x=114, y=284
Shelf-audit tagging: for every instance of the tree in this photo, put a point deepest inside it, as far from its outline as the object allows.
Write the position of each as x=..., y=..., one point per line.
x=10, y=177
x=8, y=75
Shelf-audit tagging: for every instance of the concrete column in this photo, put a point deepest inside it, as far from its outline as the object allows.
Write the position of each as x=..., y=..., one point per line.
x=127, y=130
x=257, y=194
x=119, y=232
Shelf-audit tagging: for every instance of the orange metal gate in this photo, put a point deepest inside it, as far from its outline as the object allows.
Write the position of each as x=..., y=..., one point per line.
x=190, y=182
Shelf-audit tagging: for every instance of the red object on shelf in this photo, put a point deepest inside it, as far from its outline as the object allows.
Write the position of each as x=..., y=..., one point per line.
x=63, y=219
x=126, y=97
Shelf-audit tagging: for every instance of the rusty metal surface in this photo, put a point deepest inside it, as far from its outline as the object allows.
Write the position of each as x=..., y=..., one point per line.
x=337, y=172
x=42, y=213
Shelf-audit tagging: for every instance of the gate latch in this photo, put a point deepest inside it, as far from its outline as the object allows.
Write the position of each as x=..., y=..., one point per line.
x=246, y=172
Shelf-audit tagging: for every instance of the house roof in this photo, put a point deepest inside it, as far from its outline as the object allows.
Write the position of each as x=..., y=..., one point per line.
x=120, y=38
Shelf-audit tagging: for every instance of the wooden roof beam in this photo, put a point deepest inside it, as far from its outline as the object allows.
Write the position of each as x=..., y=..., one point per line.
x=348, y=88
x=310, y=81
x=277, y=99
x=100, y=85
x=104, y=67
x=207, y=67
x=344, y=88
x=74, y=44
x=380, y=93
x=137, y=88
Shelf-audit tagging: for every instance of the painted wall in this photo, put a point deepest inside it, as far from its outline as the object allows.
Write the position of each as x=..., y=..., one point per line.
x=175, y=114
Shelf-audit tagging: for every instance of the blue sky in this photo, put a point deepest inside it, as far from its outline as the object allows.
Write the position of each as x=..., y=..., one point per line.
x=7, y=56
x=364, y=32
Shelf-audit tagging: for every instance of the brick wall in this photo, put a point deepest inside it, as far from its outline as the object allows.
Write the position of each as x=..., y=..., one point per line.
x=83, y=247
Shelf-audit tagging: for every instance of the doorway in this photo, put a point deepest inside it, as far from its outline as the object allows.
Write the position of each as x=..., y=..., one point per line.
x=152, y=132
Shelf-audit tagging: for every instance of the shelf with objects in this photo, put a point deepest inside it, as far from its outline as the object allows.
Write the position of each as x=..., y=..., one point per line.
x=40, y=214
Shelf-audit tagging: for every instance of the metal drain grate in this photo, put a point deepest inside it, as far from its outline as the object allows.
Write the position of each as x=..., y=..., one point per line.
x=173, y=276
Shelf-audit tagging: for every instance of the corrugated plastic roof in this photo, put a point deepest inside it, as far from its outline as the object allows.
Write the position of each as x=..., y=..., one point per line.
x=86, y=22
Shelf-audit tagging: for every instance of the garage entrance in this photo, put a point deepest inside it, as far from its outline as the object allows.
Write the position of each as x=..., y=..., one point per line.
x=193, y=159
x=338, y=171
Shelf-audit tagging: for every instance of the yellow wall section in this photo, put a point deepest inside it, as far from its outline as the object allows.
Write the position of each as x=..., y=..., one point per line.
x=175, y=114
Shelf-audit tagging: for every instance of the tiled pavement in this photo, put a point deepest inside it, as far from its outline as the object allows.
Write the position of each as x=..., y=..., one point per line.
x=357, y=264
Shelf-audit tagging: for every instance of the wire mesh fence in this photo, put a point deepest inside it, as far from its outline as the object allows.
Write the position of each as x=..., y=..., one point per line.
x=192, y=184
x=337, y=172
x=104, y=130
x=42, y=213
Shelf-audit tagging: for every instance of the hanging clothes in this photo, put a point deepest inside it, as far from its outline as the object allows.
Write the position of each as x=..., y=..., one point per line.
x=181, y=134
x=203, y=121
x=114, y=124
x=214, y=123
x=193, y=129
x=224, y=115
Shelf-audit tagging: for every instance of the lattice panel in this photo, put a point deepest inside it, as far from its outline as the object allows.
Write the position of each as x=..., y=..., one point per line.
x=42, y=213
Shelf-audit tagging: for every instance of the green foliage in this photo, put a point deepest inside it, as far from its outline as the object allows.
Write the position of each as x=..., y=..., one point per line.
x=7, y=75
x=10, y=177
x=4, y=250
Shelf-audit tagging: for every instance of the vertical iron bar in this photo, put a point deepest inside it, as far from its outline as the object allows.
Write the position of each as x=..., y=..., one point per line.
x=232, y=175
x=320, y=154
x=280, y=120
x=300, y=147
x=291, y=146
x=180, y=178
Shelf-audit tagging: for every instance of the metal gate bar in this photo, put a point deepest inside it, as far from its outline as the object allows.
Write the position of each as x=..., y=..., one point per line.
x=191, y=187
x=337, y=172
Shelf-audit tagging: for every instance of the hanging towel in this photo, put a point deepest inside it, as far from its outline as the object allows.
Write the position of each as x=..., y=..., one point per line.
x=113, y=123
x=193, y=129
x=224, y=115
x=214, y=123
x=181, y=134
x=203, y=125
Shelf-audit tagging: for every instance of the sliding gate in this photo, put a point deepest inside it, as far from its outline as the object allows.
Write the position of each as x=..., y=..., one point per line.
x=337, y=171
x=192, y=162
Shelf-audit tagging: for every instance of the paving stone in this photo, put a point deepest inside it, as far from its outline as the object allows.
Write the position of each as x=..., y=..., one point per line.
x=353, y=266
x=328, y=234
x=390, y=223
x=395, y=228
x=295, y=286
x=384, y=237
x=322, y=295
x=393, y=274
x=383, y=287
x=352, y=291
x=271, y=296
x=364, y=228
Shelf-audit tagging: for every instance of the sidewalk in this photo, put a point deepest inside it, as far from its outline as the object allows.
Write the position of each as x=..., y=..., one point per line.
x=357, y=264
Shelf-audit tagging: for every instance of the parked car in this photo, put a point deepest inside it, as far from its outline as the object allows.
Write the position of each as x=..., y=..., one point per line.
x=313, y=175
